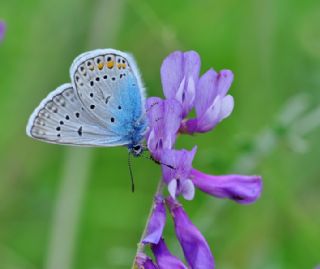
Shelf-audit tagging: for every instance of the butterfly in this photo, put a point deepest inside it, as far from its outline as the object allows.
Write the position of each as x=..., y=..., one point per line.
x=104, y=105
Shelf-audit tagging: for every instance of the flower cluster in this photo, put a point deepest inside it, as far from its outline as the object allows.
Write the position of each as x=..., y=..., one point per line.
x=2, y=30
x=185, y=90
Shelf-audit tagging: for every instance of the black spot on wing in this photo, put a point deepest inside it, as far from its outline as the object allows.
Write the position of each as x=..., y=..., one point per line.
x=80, y=131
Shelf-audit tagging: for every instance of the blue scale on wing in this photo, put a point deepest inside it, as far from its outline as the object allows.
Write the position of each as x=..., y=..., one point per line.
x=109, y=93
x=127, y=107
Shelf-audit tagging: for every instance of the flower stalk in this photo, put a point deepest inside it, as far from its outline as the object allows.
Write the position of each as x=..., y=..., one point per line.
x=141, y=245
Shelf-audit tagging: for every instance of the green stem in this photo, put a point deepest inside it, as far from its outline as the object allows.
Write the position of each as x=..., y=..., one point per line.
x=140, y=245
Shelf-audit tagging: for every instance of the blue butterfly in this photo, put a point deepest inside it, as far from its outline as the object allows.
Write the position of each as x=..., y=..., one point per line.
x=104, y=105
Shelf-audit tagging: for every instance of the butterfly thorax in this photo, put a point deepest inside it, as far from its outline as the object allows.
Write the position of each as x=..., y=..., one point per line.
x=136, y=137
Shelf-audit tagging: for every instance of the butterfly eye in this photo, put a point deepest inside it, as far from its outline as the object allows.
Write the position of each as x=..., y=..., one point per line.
x=136, y=150
x=137, y=147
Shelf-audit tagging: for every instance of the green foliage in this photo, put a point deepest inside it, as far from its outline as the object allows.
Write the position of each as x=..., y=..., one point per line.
x=273, y=49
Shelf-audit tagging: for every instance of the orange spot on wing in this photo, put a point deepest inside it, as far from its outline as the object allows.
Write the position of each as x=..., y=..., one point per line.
x=100, y=66
x=110, y=64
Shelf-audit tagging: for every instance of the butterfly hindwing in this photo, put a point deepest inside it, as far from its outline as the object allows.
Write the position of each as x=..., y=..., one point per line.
x=61, y=118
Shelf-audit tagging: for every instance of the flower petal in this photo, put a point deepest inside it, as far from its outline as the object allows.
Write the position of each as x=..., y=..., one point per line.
x=179, y=75
x=172, y=188
x=211, y=84
x=165, y=260
x=211, y=103
x=154, y=107
x=224, y=81
x=172, y=73
x=195, y=248
x=181, y=160
x=219, y=110
x=206, y=91
x=164, y=117
x=210, y=118
x=187, y=189
x=227, y=105
x=156, y=223
x=242, y=189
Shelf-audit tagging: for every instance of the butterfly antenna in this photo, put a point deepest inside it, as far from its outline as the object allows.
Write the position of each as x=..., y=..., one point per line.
x=130, y=170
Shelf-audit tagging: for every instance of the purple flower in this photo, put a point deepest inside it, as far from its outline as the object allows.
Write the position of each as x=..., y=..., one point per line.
x=212, y=104
x=2, y=29
x=157, y=222
x=178, y=179
x=164, y=118
x=183, y=179
x=165, y=260
x=195, y=248
x=144, y=262
x=242, y=189
x=179, y=76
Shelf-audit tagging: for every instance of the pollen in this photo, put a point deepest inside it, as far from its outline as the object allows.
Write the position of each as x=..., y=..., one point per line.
x=110, y=64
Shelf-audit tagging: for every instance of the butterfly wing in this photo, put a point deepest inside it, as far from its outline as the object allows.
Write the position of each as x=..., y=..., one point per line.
x=62, y=119
x=104, y=105
x=108, y=84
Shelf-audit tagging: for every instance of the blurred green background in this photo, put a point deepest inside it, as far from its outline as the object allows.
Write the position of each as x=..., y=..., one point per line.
x=64, y=207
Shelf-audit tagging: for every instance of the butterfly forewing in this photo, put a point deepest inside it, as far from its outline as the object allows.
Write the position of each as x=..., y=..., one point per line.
x=108, y=86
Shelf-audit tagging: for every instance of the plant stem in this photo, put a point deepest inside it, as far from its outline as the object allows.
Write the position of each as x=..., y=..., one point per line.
x=140, y=245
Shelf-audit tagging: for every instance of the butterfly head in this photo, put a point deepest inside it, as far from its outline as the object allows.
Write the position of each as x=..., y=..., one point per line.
x=136, y=149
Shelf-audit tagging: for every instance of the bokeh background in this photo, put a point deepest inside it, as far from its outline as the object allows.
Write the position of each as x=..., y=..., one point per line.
x=65, y=208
